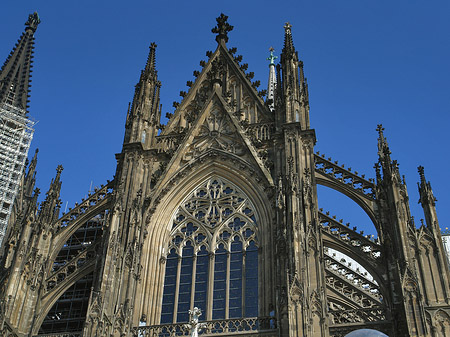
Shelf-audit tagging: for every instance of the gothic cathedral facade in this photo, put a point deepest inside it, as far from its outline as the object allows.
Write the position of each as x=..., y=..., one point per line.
x=218, y=210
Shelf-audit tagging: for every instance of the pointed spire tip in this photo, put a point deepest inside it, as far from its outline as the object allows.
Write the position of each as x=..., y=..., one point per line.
x=288, y=43
x=33, y=21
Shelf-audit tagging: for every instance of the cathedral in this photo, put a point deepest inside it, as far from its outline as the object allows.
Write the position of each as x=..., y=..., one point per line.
x=211, y=225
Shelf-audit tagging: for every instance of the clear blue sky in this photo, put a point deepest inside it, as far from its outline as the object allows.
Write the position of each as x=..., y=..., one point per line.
x=367, y=62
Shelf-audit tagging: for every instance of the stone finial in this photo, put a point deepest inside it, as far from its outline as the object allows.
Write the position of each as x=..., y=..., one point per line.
x=380, y=130
x=421, y=171
x=222, y=28
x=33, y=21
x=287, y=27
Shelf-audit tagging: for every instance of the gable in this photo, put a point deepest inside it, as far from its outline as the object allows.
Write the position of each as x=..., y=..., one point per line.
x=215, y=128
x=222, y=70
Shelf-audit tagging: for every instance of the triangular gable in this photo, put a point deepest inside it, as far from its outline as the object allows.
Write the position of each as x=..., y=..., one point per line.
x=236, y=87
x=216, y=128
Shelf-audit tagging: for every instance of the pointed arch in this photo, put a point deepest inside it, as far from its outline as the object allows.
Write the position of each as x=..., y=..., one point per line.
x=159, y=217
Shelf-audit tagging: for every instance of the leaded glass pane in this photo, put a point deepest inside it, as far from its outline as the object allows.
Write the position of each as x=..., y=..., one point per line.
x=251, y=280
x=201, y=278
x=220, y=282
x=184, y=295
x=169, y=287
x=216, y=220
x=235, y=304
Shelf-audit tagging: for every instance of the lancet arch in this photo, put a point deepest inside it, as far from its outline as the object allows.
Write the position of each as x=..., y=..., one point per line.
x=161, y=222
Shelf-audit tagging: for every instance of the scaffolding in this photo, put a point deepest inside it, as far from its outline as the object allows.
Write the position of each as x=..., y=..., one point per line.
x=16, y=132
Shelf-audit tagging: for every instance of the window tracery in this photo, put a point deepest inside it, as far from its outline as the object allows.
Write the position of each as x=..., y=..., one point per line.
x=212, y=262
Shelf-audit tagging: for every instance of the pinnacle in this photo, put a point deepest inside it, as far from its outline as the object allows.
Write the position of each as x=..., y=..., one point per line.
x=288, y=44
x=150, y=67
x=421, y=171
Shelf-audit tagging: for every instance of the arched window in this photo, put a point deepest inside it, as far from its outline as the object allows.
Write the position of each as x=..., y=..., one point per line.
x=212, y=262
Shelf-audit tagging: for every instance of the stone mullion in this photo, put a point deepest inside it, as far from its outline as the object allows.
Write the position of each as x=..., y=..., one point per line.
x=194, y=271
x=209, y=295
x=177, y=290
x=227, y=287
x=244, y=254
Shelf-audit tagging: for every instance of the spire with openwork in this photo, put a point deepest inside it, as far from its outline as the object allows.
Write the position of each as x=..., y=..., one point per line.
x=15, y=75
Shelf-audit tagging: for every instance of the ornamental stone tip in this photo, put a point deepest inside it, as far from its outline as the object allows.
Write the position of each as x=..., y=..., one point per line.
x=287, y=27
x=33, y=21
x=222, y=28
x=421, y=171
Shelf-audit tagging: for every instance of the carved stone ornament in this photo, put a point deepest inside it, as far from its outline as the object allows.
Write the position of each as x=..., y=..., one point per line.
x=216, y=132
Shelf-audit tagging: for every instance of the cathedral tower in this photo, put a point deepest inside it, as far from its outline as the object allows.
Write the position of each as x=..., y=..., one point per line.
x=16, y=129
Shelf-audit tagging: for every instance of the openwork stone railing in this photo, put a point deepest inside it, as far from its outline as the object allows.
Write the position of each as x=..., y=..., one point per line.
x=80, y=261
x=351, y=285
x=338, y=173
x=61, y=334
x=217, y=327
x=85, y=206
x=364, y=315
x=353, y=240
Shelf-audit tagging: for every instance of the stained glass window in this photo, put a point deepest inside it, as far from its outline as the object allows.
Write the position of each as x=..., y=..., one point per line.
x=213, y=255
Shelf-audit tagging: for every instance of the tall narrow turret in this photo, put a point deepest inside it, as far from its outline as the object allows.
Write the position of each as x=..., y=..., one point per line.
x=144, y=117
x=294, y=86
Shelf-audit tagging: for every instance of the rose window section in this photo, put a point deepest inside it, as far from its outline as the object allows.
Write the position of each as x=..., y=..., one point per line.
x=212, y=260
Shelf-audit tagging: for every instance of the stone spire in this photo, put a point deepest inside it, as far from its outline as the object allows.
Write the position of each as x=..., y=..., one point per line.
x=144, y=116
x=15, y=75
x=222, y=29
x=288, y=48
x=384, y=153
x=51, y=205
x=150, y=67
x=272, y=83
x=427, y=199
x=294, y=86
x=30, y=178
